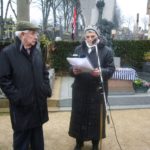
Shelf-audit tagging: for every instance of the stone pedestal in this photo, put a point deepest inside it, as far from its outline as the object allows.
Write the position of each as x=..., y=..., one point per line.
x=120, y=86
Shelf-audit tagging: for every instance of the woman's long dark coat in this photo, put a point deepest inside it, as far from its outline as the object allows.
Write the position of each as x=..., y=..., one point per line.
x=87, y=96
x=24, y=80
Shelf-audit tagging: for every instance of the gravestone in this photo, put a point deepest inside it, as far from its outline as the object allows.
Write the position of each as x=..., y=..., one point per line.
x=117, y=62
x=52, y=77
x=146, y=67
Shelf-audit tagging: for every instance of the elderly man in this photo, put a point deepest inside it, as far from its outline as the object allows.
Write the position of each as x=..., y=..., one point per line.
x=24, y=80
x=87, y=90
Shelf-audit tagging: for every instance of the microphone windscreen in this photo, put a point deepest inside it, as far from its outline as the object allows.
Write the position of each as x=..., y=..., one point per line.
x=94, y=41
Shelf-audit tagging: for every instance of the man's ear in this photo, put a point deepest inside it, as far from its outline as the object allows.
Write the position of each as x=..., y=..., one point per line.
x=22, y=34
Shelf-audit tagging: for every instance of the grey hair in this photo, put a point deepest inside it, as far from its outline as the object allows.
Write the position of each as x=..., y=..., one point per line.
x=17, y=33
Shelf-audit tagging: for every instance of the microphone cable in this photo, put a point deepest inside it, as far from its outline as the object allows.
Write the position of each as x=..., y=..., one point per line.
x=113, y=123
x=106, y=102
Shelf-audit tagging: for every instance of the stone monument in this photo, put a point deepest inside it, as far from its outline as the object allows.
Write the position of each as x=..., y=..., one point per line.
x=91, y=13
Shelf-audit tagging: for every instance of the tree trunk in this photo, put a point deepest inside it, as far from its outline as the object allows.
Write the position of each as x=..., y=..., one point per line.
x=23, y=10
x=1, y=21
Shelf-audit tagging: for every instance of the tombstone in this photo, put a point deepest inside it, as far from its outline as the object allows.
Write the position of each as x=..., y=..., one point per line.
x=146, y=67
x=52, y=77
x=117, y=62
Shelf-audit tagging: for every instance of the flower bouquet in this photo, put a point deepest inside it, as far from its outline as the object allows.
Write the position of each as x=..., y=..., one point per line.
x=141, y=86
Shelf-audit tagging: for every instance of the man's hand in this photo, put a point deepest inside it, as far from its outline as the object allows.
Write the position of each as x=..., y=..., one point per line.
x=95, y=72
x=76, y=71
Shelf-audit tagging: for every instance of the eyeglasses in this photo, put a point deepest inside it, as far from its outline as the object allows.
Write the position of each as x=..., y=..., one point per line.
x=92, y=37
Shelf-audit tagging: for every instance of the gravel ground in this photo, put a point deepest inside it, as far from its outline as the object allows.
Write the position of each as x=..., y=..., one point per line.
x=132, y=126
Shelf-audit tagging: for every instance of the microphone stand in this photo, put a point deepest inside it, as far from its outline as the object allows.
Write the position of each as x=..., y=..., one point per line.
x=104, y=95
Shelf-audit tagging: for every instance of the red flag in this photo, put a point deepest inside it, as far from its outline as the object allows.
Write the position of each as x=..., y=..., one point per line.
x=74, y=18
x=74, y=22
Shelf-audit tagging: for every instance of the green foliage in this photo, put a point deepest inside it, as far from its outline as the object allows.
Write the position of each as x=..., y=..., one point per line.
x=59, y=55
x=138, y=83
x=147, y=56
x=44, y=43
x=131, y=52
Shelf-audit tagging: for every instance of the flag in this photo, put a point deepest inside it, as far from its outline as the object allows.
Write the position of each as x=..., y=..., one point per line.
x=74, y=22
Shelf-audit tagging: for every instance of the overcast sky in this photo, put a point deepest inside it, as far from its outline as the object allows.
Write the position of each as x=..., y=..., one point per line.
x=128, y=8
x=132, y=7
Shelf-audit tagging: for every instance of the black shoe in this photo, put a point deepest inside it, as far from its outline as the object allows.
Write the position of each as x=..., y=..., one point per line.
x=95, y=147
x=78, y=147
x=95, y=144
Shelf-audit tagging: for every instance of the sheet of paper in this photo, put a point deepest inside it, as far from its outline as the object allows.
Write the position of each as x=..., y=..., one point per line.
x=82, y=63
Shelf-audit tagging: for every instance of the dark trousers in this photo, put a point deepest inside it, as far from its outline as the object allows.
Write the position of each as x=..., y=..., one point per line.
x=28, y=139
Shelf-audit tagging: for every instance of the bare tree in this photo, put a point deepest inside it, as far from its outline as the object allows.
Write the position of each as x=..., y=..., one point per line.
x=7, y=8
x=65, y=10
x=45, y=7
x=55, y=5
x=1, y=20
x=1, y=8
x=117, y=17
x=4, y=20
x=144, y=21
x=128, y=22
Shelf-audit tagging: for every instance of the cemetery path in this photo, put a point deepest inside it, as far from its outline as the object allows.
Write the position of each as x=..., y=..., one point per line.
x=132, y=128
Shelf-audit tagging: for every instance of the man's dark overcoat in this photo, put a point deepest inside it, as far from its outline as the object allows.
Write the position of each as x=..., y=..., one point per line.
x=24, y=80
x=87, y=94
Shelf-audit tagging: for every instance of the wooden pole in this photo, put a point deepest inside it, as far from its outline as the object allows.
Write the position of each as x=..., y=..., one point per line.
x=101, y=125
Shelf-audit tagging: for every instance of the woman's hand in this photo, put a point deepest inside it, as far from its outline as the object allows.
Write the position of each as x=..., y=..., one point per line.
x=76, y=71
x=95, y=72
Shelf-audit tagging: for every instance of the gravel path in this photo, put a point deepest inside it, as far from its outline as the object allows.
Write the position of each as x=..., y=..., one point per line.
x=133, y=130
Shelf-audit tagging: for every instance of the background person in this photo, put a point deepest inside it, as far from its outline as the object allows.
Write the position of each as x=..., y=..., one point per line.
x=24, y=80
x=86, y=90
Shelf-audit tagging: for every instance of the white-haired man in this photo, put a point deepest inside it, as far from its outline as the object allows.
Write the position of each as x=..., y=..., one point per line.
x=24, y=80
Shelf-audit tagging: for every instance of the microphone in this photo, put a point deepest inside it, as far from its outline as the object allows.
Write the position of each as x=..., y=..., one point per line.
x=94, y=42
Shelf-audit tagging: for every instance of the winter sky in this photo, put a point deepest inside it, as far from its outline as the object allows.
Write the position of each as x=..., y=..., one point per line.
x=132, y=7
x=128, y=8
